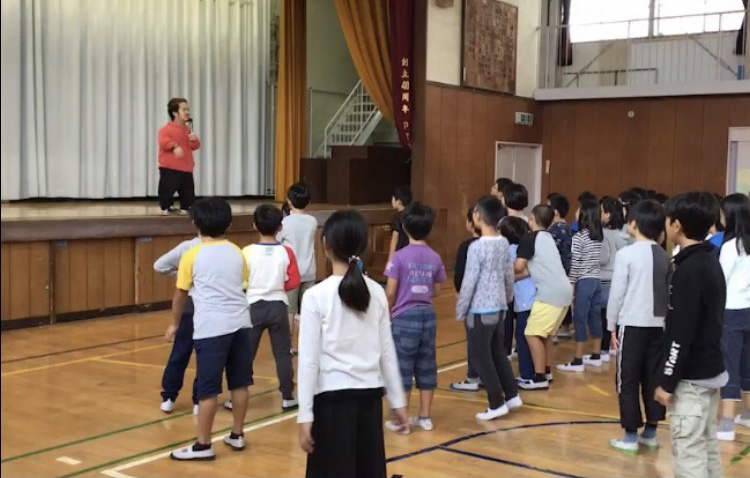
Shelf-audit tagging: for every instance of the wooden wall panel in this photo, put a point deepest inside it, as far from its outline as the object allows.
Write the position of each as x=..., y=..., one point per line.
x=39, y=279
x=95, y=277
x=461, y=192
x=5, y=265
x=688, y=143
x=78, y=275
x=19, y=281
x=144, y=270
x=661, y=139
x=448, y=140
x=61, y=258
x=480, y=149
x=666, y=144
x=430, y=179
x=127, y=271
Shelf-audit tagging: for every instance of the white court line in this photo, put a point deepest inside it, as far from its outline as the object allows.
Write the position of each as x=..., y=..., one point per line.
x=116, y=471
x=69, y=461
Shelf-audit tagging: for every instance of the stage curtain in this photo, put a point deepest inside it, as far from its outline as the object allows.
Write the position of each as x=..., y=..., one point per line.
x=365, y=26
x=291, y=116
x=739, y=48
x=85, y=87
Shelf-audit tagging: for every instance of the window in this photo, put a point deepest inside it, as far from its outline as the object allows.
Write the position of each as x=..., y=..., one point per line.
x=595, y=20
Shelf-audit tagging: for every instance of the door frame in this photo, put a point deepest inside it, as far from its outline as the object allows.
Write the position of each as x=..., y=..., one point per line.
x=537, y=147
x=736, y=135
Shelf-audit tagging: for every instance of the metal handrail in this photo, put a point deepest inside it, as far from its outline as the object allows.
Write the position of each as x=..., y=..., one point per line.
x=648, y=19
x=339, y=112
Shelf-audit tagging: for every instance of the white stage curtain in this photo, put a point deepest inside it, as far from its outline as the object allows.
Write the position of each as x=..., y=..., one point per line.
x=85, y=86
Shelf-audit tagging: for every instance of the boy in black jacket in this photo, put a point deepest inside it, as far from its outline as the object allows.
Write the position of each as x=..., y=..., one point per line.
x=693, y=369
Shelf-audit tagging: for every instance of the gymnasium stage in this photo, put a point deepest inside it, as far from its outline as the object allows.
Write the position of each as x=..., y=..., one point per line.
x=68, y=260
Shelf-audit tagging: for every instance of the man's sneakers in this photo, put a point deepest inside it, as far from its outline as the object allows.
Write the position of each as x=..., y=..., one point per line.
x=425, y=423
x=288, y=405
x=631, y=448
x=235, y=442
x=228, y=404
x=650, y=443
x=605, y=357
x=167, y=405
x=396, y=428
x=571, y=367
x=467, y=385
x=530, y=384
x=196, y=452
x=590, y=360
x=514, y=402
x=493, y=413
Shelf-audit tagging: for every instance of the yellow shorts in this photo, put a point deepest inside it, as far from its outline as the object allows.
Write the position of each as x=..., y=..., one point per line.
x=544, y=319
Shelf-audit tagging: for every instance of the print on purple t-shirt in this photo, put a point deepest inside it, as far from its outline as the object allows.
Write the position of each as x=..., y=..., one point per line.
x=417, y=268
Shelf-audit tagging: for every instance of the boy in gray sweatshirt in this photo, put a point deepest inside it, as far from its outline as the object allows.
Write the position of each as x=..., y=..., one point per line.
x=636, y=310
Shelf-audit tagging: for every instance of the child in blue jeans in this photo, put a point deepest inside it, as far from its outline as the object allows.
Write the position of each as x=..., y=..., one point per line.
x=585, y=274
x=524, y=292
x=414, y=276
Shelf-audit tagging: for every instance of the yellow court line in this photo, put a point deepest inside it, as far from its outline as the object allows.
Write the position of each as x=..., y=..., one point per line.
x=139, y=364
x=87, y=359
x=599, y=390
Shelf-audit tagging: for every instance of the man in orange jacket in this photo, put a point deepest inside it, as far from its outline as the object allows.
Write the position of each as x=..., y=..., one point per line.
x=176, y=145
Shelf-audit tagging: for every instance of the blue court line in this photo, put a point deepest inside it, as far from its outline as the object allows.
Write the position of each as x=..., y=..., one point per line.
x=508, y=462
x=445, y=446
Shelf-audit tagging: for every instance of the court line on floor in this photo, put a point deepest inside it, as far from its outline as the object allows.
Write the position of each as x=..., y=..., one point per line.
x=87, y=359
x=113, y=432
x=507, y=462
x=161, y=367
x=51, y=354
x=599, y=390
x=739, y=456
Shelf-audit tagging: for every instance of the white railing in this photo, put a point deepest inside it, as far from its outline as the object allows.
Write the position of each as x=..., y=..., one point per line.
x=352, y=124
x=659, y=50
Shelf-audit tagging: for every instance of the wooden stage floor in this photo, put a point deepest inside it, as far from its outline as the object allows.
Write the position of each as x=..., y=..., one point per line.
x=82, y=399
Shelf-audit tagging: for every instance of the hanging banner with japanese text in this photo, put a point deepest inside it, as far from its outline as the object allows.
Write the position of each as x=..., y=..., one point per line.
x=401, y=35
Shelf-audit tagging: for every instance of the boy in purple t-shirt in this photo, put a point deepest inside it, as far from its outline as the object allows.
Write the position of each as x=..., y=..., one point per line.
x=414, y=276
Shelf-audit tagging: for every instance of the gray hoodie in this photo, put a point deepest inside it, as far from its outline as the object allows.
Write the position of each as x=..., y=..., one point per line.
x=614, y=240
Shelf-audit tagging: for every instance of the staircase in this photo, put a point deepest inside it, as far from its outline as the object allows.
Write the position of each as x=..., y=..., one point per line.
x=352, y=124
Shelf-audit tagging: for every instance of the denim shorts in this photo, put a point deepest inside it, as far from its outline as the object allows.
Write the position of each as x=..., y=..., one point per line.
x=414, y=334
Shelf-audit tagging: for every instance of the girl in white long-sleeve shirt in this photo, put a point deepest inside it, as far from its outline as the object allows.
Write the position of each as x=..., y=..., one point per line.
x=735, y=263
x=346, y=359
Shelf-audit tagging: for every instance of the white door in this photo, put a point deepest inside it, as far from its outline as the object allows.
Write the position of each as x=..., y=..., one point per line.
x=523, y=164
x=738, y=168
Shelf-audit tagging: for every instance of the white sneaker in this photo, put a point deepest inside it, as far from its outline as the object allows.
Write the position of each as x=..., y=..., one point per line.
x=613, y=352
x=493, y=413
x=394, y=427
x=564, y=334
x=740, y=421
x=190, y=454
x=236, y=444
x=528, y=384
x=605, y=357
x=514, y=402
x=167, y=406
x=228, y=404
x=468, y=385
x=569, y=367
x=725, y=436
x=624, y=446
x=165, y=212
x=650, y=443
x=423, y=423
x=555, y=339
x=195, y=409
x=549, y=377
x=287, y=405
x=587, y=360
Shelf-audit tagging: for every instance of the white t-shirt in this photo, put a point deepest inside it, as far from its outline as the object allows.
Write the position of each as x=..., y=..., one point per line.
x=736, y=268
x=342, y=349
x=298, y=232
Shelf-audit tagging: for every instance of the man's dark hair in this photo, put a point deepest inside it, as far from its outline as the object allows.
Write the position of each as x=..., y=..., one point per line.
x=559, y=203
x=267, y=219
x=587, y=196
x=299, y=195
x=543, y=215
x=516, y=196
x=501, y=183
x=490, y=209
x=649, y=218
x=174, y=106
x=417, y=220
x=403, y=194
x=695, y=211
x=212, y=216
x=513, y=229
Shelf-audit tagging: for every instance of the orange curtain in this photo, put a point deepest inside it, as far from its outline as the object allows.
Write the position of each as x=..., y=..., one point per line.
x=365, y=25
x=291, y=120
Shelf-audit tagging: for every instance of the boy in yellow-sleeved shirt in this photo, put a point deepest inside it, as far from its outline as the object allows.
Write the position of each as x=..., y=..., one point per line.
x=215, y=272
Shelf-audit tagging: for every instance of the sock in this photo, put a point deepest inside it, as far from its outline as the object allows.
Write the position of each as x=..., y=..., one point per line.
x=235, y=436
x=649, y=431
x=547, y=369
x=576, y=361
x=540, y=377
x=595, y=356
x=630, y=437
x=745, y=415
x=200, y=446
x=726, y=424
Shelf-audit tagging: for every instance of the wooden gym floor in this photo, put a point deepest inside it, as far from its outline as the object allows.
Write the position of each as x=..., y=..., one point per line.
x=82, y=399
